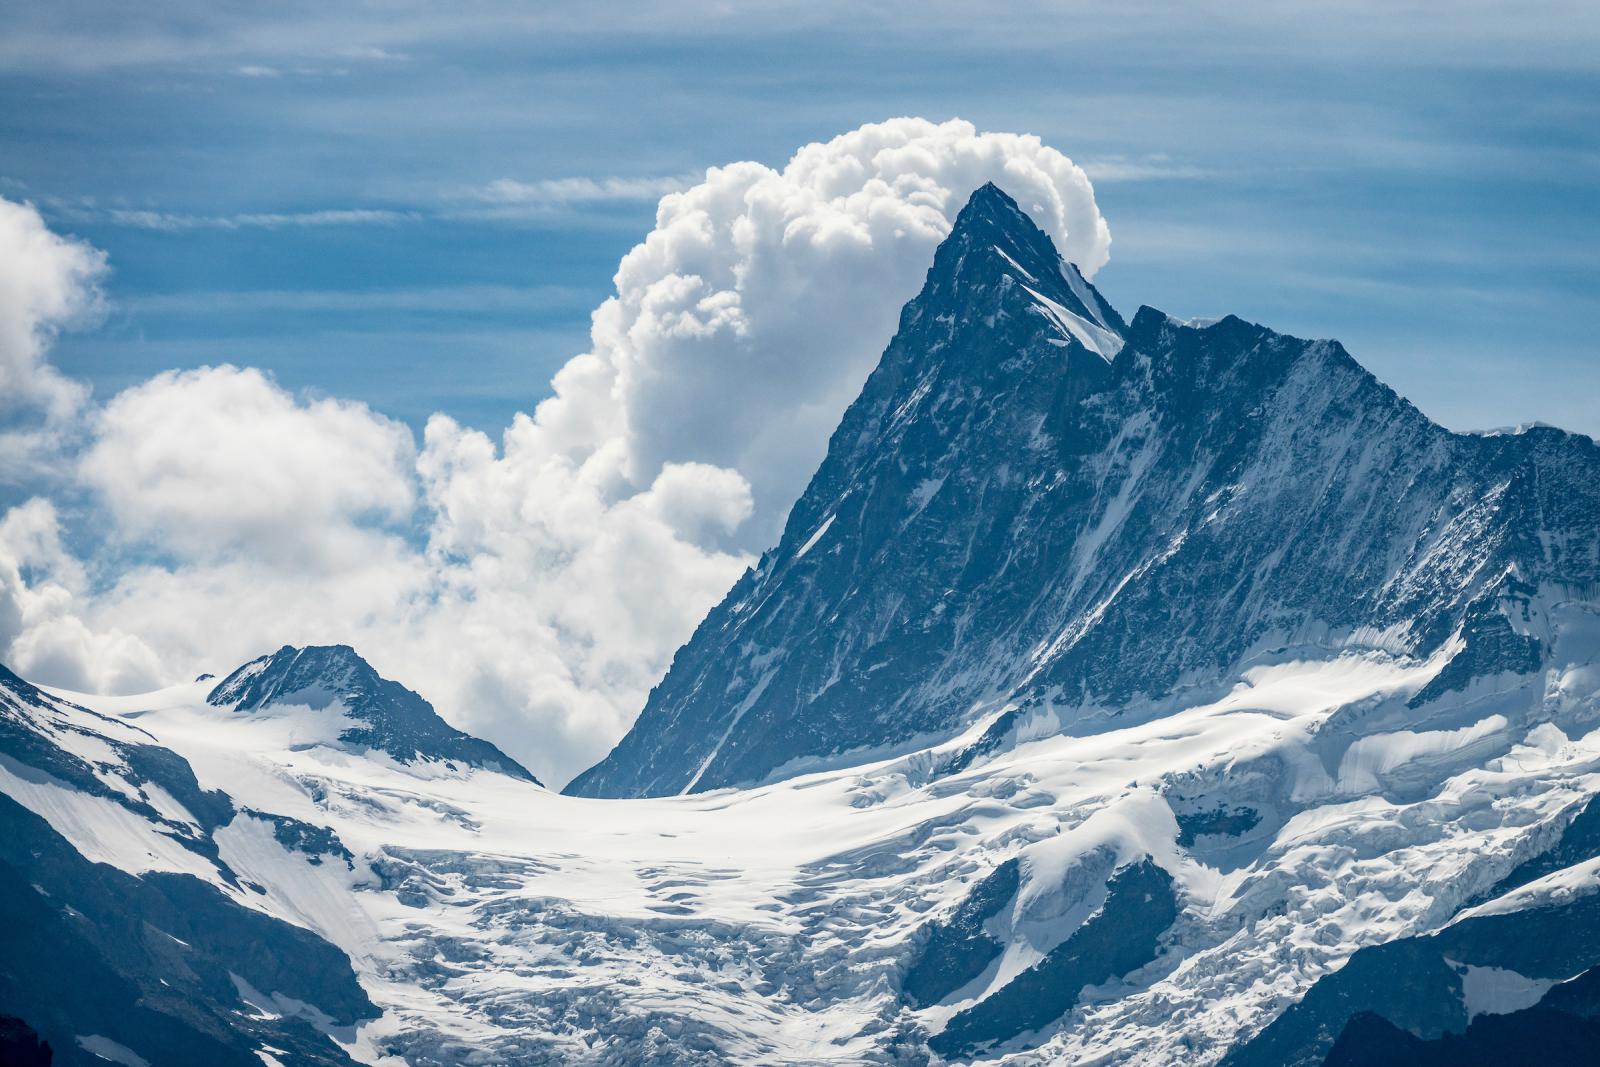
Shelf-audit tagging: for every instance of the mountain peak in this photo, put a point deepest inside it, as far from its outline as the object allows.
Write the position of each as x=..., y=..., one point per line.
x=992, y=218
x=995, y=243
x=1015, y=519
x=991, y=203
x=313, y=676
x=963, y=411
x=388, y=716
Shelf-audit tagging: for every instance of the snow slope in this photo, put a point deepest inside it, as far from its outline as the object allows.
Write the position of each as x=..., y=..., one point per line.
x=776, y=924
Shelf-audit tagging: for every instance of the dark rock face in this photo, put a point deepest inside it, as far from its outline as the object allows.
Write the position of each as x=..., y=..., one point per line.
x=1407, y=995
x=1535, y=1035
x=29, y=726
x=32, y=723
x=20, y=1046
x=313, y=841
x=151, y=963
x=1416, y=984
x=1226, y=822
x=1562, y=1028
x=99, y=961
x=959, y=949
x=1033, y=503
x=1120, y=938
x=393, y=718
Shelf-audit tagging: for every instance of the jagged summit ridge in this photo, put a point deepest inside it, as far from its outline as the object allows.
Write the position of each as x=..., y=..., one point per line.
x=312, y=676
x=1030, y=259
x=1022, y=518
x=981, y=360
x=390, y=717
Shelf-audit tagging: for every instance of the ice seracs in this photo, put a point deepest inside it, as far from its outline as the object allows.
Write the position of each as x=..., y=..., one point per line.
x=797, y=921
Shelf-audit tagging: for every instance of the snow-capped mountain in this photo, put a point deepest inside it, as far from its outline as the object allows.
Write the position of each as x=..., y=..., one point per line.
x=1034, y=507
x=1120, y=693
x=129, y=935
x=378, y=715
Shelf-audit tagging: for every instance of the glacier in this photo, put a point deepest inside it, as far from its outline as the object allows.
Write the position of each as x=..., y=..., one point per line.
x=1120, y=692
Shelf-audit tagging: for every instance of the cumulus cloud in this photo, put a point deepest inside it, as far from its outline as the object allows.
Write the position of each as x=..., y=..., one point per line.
x=47, y=283
x=231, y=516
x=533, y=605
x=746, y=321
x=42, y=632
x=568, y=598
x=534, y=587
x=213, y=462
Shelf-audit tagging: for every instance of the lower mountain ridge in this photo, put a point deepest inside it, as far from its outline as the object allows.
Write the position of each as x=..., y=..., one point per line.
x=384, y=716
x=1121, y=692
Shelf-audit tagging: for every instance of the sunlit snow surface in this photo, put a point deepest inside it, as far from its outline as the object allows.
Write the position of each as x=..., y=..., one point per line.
x=494, y=920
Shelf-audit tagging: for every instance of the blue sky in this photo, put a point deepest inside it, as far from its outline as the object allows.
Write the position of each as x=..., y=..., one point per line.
x=306, y=191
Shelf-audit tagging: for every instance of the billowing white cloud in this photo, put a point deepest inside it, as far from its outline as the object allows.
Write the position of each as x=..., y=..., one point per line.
x=215, y=462
x=47, y=282
x=535, y=587
x=561, y=599
x=231, y=516
x=43, y=634
x=746, y=321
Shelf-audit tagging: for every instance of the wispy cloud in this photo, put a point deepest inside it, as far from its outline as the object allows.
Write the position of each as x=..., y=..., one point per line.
x=428, y=299
x=550, y=192
x=1110, y=169
x=80, y=35
x=319, y=68
x=502, y=198
x=372, y=53
x=174, y=222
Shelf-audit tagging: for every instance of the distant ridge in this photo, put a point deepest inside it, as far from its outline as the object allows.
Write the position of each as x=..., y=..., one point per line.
x=393, y=718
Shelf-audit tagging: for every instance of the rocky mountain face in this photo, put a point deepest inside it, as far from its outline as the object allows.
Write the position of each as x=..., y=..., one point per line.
x=135, y=928
x=168, y=957
x=386, y=716
x=1037, y=511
